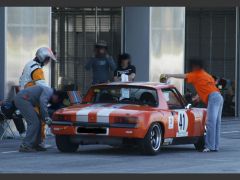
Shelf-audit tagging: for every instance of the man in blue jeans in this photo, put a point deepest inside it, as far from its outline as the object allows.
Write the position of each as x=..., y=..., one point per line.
x=210, y=95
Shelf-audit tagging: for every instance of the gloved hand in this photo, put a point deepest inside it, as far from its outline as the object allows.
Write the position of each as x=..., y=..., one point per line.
x=48, y=121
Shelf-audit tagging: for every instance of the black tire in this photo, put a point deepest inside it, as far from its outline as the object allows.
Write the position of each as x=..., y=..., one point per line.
x=200, y=144
x=151, y=144
x=65, y=145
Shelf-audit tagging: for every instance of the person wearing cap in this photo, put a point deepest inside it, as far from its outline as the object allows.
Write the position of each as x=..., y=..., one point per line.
x=209, y=94
x=33, y=74
x=101, y=64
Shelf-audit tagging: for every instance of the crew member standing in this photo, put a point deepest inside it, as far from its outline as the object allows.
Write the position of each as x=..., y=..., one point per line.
x=33, y=73
x=210, y=95
x=101, y=64
x=124, y=67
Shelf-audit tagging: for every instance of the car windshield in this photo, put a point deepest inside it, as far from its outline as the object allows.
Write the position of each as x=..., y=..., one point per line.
x=125, y=94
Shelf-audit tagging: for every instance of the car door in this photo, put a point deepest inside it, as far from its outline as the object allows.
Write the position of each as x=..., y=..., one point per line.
x=184, y=122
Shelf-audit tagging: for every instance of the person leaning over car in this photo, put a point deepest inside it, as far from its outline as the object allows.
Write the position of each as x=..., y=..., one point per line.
x=124, y=67
x=210, y=95
x=25, y=101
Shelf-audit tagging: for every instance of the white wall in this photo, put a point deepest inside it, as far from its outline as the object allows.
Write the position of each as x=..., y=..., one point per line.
x=167, y=42
x=27, y=29
x=155, y=38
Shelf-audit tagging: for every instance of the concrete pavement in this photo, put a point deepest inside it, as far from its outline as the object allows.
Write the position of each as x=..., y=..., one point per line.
x=105, y=159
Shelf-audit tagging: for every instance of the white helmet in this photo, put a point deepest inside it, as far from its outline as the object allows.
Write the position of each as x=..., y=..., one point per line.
x=43, y=53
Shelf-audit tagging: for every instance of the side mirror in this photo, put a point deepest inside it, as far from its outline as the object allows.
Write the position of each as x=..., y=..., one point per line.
x=189, y=106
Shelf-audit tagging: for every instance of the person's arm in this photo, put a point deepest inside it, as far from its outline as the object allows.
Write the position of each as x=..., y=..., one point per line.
x=115, y=76
x=116, y=79
x=133, y=74
x=111, y=63
x=89, y=64
x=44, y=100
x=131, y=77
x=178, y=76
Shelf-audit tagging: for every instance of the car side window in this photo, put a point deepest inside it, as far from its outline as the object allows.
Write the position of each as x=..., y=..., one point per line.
x=172, y=98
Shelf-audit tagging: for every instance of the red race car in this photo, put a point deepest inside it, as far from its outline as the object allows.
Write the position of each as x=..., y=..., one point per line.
x=144, y=114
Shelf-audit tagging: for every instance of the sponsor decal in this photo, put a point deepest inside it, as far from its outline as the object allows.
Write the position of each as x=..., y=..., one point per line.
x=170, y=122
x=182, y=124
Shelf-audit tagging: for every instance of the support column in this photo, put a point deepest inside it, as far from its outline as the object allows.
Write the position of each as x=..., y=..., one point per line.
x=2, y=51
x=137, y=22
x=237, y=70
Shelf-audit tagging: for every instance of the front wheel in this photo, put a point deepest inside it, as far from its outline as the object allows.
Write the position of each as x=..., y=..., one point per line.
x=151, y=144
x=64, y=144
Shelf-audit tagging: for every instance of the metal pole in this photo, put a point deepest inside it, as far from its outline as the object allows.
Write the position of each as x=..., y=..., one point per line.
x=96, y=23
x=211, y=40
x=225, y=46
x=237, y=95
x=122, y=30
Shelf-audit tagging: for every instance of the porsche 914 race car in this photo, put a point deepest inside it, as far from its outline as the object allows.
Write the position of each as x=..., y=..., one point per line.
x=143, y=114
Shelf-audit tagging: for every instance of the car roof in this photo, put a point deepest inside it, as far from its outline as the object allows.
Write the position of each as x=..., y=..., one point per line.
x=156, y=85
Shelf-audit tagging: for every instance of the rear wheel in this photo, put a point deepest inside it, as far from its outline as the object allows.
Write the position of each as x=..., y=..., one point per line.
x=151, y=144
x=199, y=145
x=64, y=144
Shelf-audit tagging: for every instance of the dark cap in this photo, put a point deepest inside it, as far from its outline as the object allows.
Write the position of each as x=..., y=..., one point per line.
x=101, y=44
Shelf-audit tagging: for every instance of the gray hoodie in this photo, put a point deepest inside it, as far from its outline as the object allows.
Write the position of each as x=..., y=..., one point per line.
x=37, y=96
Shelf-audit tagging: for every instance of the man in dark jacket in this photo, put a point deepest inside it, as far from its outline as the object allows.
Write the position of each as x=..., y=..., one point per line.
x=101, y=64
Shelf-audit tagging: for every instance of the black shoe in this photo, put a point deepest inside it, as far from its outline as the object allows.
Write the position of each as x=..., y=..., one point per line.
x=25, y=148
x=40, y=148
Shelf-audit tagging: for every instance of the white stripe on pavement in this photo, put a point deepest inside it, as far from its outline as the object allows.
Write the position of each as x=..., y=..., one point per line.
x=229, y=132
x=8, y=152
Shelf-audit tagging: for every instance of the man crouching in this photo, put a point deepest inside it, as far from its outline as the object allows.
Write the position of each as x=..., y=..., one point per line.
x=25, y=101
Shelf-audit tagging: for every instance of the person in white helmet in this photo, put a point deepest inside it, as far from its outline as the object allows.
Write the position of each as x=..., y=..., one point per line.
x=33, y=74
x=33, y=71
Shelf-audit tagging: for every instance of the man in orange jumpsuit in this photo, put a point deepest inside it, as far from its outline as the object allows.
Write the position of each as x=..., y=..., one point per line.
x=33, y=73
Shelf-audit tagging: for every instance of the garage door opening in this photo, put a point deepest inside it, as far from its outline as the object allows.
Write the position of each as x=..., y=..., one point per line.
x=211, y=36
x=74, y=34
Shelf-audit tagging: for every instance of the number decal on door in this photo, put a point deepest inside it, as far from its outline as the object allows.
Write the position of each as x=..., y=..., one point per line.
x=182, y=124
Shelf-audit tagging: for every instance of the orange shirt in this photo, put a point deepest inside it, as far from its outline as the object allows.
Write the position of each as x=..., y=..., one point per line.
x=203, y=83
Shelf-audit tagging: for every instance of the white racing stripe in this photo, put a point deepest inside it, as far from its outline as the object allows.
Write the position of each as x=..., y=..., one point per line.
x=82, y=115
x=104, y=114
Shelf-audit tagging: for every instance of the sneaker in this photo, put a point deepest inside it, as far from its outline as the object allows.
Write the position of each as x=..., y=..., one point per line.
x=25, y=148
x=40, y=148
x=206, y=150
x=209, y=150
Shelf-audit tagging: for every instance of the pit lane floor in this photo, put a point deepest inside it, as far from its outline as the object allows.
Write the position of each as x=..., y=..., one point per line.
x=105, y=159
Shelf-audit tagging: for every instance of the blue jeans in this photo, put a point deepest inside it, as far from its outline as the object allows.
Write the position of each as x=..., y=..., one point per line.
x=214, y=115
